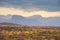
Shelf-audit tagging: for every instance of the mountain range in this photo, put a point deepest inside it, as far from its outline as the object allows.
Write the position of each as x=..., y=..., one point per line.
x=35, y=20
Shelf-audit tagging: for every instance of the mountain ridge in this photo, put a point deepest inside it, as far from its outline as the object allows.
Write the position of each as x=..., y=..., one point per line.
x=34, y=20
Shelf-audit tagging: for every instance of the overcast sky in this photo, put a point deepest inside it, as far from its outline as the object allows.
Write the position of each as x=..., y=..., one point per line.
x=45, y=8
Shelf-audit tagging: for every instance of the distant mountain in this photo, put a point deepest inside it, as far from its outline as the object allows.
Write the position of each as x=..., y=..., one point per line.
x=5, y=23
x=53, y=21
x=17, y=19
x=35, y=20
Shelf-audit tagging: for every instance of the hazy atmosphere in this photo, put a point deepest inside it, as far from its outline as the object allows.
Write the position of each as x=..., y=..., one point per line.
x=30, y=12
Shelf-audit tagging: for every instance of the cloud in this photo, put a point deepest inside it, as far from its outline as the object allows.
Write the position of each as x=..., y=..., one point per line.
x=25, y=13
x=48, y=5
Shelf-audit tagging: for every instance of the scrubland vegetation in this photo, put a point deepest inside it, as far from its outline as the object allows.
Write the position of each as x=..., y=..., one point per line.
x=29, y=33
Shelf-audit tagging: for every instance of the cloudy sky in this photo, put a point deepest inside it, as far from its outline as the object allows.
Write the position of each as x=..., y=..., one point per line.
x=45, y=8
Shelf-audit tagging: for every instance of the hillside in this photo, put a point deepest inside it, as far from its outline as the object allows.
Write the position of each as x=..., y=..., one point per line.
x=5, y=24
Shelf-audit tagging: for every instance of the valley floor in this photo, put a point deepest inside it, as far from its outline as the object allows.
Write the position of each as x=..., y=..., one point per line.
x=29, y=33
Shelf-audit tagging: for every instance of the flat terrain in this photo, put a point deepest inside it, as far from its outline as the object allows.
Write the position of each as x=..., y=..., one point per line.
x=23, y=32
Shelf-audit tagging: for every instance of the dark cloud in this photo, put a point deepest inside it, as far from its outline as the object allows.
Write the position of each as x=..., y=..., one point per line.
x=49, y=5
